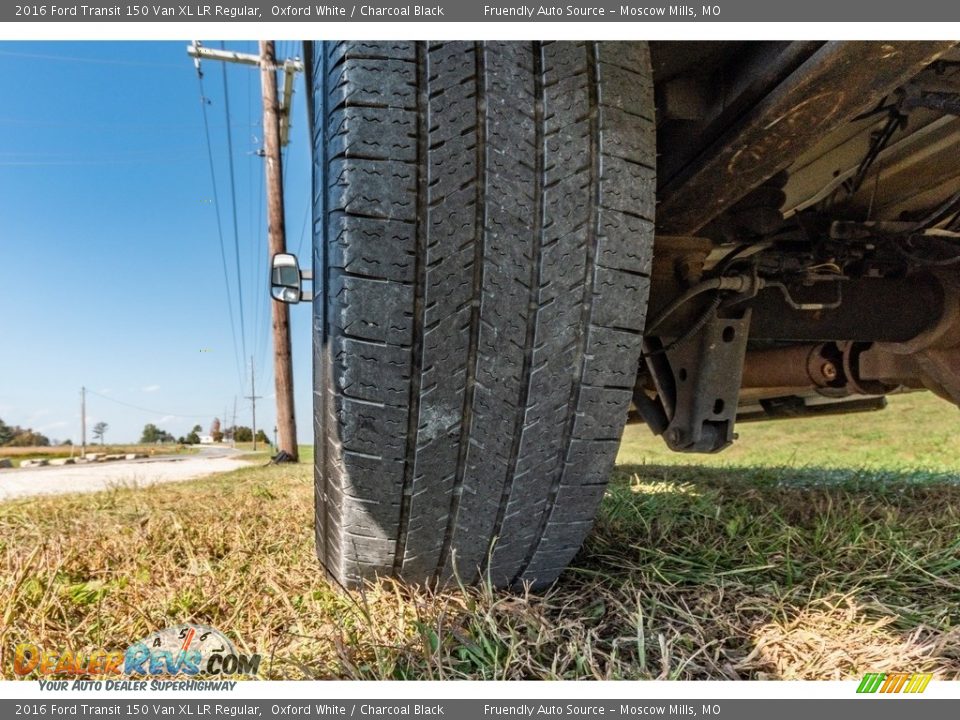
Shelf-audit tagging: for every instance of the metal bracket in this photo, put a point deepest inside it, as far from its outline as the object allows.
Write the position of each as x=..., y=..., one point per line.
x=707, y=369
x=289, y=67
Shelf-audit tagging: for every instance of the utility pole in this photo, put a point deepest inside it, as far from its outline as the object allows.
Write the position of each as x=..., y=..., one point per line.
x=83, y=422
x=277, y=241
x=233, y=424
x=276, y=129
x=253, y=397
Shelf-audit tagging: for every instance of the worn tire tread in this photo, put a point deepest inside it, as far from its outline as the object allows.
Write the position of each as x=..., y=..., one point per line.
x=483, y=218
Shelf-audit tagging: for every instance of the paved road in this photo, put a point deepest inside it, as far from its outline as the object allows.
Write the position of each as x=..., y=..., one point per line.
x=90, y=477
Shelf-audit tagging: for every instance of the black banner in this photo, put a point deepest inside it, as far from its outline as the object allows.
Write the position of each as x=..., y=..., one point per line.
x=491, y=11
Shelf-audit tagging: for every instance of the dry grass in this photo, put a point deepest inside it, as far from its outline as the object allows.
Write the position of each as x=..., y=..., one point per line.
x=749, y=571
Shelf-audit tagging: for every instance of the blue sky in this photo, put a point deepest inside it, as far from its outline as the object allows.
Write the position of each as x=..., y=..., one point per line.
x=111, y=275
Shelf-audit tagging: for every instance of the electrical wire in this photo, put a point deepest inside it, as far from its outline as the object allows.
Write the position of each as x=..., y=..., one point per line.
x=693, y=329
x=251, y=229
x=264, y=306
x=233, y=197
x=920, y=260
x=727, y=260
x=216, y=206
x=938, y=215
x=895, y=121
x=106, y=127
x=683, y=299
x=97, y=61
x=878, y=143
x=947, y=214
x=148, y=410
x=90, y=163
x=303, y=230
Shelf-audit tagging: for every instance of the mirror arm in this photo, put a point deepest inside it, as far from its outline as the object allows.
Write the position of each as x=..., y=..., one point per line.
x=305, y=295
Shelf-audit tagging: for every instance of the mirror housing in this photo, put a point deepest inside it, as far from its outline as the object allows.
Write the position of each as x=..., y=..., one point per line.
x=286, y=280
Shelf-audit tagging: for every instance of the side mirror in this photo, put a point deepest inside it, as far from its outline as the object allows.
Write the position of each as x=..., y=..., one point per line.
x=286, y=279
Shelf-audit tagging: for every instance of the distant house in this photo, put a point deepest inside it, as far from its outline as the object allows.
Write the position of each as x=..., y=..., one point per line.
x=206, y=439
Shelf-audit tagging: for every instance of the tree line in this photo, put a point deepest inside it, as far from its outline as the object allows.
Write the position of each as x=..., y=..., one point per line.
x=16, y=436
x=241, y=433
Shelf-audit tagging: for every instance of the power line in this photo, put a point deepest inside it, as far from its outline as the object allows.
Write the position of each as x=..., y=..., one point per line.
x=259, y=297
x=151, y=127
x=98, y=61
x=233, y=197
x=147, y=154
x=88, y=163
x=148, y=410
x=303, y=230
x=263, y=307
x=251, y=230
x=216, y=206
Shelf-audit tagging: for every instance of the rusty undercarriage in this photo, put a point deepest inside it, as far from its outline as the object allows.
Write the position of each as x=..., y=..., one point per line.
x=808, y=233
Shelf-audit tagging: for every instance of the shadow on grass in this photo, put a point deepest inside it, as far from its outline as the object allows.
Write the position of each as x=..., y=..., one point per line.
x=774, y=572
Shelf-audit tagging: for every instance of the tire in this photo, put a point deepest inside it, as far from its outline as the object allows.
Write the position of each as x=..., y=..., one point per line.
x=484, y=225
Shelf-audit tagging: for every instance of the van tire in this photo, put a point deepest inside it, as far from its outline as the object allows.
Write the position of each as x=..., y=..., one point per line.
x=483, y=218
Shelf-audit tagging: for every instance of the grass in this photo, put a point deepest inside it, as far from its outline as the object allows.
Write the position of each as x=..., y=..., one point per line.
x=915, y=432
x=261, y=455
x=18, y=454
x=802, y=553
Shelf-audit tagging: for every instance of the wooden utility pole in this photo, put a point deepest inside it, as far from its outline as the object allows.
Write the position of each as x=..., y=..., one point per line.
x=83, y=422
x=277, y=242
x=253, y=397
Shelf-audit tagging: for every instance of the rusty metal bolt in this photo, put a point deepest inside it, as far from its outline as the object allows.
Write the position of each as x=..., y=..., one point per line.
x=829, y=371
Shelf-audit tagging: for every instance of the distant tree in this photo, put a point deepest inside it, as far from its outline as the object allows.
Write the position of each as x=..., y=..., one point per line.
x=262, y=437
x=192, y=438
x=153, y=434
x=67, y=442
x=150, y=434
x=242, y=434
x=182, y=440
x=28, y=438
x=99, y=430
x=6, y=433
x=197, y=429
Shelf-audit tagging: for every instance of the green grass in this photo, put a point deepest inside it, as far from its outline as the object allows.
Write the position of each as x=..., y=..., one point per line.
x=813, y=549
x=915, y=432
